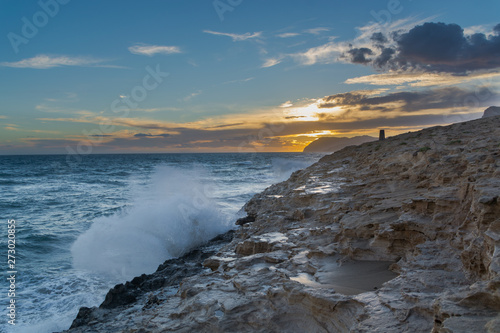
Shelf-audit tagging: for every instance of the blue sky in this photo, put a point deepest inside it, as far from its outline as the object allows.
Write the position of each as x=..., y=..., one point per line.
x=242, y=75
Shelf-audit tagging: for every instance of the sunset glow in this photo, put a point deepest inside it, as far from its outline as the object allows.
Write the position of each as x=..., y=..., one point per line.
x=300, y=72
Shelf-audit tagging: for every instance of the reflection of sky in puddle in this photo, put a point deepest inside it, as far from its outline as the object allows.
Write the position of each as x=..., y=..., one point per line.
x=307, y=280
x=351, y=278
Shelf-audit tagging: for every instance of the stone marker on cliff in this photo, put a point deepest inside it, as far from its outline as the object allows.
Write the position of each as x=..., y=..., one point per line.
x=381, y=135
x=492, y=111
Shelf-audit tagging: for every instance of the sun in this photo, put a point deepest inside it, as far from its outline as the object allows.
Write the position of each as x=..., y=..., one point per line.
x=310, y=112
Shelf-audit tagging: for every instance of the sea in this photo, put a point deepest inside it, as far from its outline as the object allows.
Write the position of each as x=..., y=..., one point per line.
x=84, y=225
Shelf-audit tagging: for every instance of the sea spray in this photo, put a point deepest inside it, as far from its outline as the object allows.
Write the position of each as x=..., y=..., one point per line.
x=283, y=167
x=174, y=214
x=58, y=204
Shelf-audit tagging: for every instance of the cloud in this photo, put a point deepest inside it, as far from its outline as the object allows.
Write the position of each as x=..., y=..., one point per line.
x=12, y=127
x=384, y=57
x=379, y=37
x=271, y=62
x=142, y=135
x=156, y=109
x=268, y=136
x=430, y=47
x=484, y=29
x=407, y=101
x=239, y=81
x=150, y=50
x=191, y=96
x=67, y=97
x=413, y=45
x=326, y=53
x=445, y=47
x=286, y=126
x=369, y=39
x=358, y=55
x=424, y=79
x=288, y=35
x=45, y=61
x=236, y=37
x=316, y=31
x=226, y=125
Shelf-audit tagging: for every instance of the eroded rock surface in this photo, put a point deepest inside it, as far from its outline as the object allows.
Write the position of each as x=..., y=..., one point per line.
x=394, y=236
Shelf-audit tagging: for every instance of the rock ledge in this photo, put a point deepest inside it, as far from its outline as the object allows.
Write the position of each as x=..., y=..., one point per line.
x=400, y=235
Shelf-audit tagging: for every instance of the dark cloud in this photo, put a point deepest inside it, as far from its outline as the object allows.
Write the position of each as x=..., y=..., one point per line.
x=379, y=38
x=143, y=135
x=442, y=98
x=384, y=57
x=349, y=98
x=433, y=47
x=432, y=43
x=358, y=55
x=227, y=125
x=444, y=47
x=300, y=127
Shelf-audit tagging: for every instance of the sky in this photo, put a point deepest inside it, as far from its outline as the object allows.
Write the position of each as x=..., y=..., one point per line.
x=81, y=77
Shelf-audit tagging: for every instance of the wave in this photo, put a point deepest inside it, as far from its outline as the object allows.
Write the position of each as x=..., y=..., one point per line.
x=284, y=167
x=168, y=218
x=58, y=297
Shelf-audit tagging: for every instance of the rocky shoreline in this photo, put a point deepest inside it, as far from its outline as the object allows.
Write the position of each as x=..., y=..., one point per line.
x=399, y=235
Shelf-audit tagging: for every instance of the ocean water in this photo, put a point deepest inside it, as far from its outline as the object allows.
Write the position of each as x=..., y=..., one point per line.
x=82, y=227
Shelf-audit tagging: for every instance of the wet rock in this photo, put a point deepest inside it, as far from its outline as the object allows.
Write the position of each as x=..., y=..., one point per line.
x=245, y=220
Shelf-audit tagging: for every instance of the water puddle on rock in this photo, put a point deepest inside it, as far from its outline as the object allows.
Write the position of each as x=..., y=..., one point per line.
x=350, y=278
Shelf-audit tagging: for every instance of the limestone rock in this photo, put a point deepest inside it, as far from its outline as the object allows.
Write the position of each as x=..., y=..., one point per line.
x=373, y=238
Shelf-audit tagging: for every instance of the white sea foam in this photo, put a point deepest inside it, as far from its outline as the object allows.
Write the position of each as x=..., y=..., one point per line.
x=284, y=167
x=174, y=214
x=58, y=299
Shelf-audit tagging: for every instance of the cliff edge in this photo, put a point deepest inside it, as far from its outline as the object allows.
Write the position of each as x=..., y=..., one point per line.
x=400, y=235
x=332, y=144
